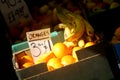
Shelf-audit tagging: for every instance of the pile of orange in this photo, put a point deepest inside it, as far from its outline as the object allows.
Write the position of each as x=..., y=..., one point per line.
x=62, y=55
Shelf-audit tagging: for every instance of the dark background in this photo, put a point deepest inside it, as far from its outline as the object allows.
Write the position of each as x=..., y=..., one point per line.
x=106, y=22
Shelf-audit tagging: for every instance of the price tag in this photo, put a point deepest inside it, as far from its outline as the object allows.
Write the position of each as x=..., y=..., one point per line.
x=12, y=10
x=39, y=42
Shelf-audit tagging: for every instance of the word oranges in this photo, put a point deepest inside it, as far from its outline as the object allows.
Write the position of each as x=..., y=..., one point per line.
x=60, y=50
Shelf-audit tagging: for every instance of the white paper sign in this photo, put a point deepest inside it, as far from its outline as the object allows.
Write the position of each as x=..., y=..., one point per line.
x=12, y=10
x=39, y=42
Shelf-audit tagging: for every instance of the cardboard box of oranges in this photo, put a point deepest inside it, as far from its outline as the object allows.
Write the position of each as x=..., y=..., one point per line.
x=66, y=63
x=92, y=64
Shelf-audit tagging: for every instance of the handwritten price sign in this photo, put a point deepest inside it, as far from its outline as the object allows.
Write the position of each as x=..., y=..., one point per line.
x=12, y=10
x=39, y=42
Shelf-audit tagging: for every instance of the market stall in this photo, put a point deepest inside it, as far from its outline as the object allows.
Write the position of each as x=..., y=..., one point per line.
x=61, y=40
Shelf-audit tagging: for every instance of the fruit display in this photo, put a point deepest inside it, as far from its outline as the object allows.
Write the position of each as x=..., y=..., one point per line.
x=61, y=55
x=78, y=34
x=96, y=6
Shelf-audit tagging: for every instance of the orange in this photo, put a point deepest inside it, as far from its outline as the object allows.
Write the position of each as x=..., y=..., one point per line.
x=27, y=64
x=60, y=49
x=74, y=52
x=67, y=59
x=89, y=44
x=26, y=58
x=54, y=63
x=18, y=58
x=70, y=50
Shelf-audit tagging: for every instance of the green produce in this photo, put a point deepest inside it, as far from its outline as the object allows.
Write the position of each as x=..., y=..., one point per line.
x=75, y=26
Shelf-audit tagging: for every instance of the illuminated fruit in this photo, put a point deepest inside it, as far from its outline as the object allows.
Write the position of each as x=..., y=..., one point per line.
x=60, y=50
x=67, y=59
x=57, y=65
x=81, y=43
x=89, y=44
x=45, y=57
x=27, y=64
x=74, y=52
x=54, y=63
x=69, y=44
x=26, y=58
